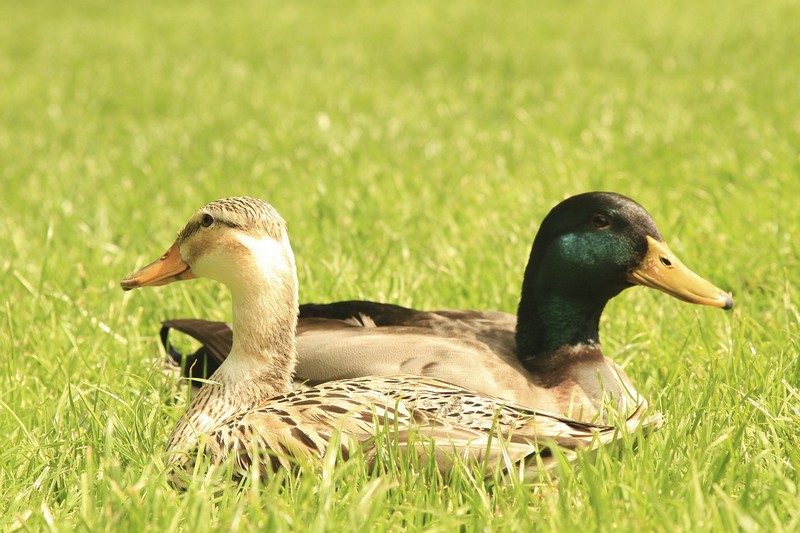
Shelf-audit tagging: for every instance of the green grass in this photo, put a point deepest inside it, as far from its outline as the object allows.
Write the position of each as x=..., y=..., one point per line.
x=413, y=147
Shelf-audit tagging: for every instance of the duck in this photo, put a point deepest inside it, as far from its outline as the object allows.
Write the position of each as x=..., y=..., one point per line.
x=589, y=248
x=249, y=413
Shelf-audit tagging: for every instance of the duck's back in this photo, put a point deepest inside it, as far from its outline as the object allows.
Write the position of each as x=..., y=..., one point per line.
x=472, y=349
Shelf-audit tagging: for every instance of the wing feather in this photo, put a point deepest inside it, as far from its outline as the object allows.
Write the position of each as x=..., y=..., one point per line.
x=434, y=419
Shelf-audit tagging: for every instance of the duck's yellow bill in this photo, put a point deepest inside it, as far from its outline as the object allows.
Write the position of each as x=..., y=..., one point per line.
x=170, y=267
x=661, y=269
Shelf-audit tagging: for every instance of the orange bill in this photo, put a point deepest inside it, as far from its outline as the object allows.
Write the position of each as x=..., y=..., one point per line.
x=661, y=269
x=170, y=267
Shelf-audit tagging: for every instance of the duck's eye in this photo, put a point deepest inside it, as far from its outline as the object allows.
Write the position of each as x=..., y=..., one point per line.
x=207, y=220
x=600, y=222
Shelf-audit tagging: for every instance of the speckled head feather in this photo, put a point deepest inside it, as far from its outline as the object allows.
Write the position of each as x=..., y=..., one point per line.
x=245, y=213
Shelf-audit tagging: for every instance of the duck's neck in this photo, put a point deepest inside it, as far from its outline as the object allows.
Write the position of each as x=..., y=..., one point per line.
x=264, y=346
x=264, y=293
x=548, y=321
x=262, y=358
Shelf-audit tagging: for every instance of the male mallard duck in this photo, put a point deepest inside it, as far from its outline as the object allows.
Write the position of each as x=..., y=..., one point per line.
x=248, y=406
x=589, y=248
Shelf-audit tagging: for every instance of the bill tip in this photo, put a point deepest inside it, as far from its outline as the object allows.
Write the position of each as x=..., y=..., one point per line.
x=728, y=301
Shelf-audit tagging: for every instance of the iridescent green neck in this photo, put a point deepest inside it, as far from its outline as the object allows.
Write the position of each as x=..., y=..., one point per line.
x=564, y=293
x=547, y=322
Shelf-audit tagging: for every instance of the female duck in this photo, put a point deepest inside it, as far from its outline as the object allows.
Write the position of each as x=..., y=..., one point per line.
x=589, y=248
x=247, y=406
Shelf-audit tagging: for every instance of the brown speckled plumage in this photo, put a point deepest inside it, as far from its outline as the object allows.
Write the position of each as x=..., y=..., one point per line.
x=300, y=424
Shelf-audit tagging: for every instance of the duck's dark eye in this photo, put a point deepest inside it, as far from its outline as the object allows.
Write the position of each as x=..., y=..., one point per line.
x=600, y=222
x=207, y=220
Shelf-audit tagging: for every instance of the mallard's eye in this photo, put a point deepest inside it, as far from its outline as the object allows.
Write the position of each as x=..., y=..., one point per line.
x=207, y=220
x=600, y=222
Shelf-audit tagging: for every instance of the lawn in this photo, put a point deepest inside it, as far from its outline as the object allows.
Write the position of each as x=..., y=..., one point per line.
x=413, y=148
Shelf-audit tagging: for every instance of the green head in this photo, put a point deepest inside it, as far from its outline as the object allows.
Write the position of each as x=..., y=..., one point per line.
x=589, y=248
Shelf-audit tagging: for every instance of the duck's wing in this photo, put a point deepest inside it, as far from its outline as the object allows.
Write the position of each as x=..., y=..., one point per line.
x=359, y=338
x=422, y=413
x=374, y=314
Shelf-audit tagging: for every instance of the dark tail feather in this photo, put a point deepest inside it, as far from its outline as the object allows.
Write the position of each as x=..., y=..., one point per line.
x=216, y=339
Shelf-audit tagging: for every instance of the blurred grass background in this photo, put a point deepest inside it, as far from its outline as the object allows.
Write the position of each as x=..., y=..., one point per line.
x=413, y=147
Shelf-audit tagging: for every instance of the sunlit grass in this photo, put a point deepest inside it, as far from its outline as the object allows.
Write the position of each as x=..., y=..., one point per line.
x=413, y=148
